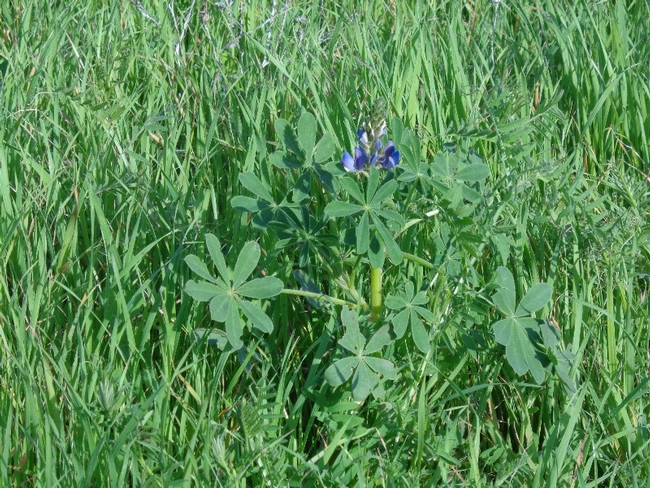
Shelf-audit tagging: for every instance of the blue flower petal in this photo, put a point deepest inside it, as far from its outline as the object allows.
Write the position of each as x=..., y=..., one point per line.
x=360, y=158
x=392, y=160
x=348, y=162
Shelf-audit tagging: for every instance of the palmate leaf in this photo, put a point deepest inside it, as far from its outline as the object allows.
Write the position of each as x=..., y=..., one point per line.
x=520, y=352
x=382, y=366
x=378, y=341
x=522, y=336
x=376, y=253
x=352, y=187
x=366, y=371
x=227, y=294
x=285, y=132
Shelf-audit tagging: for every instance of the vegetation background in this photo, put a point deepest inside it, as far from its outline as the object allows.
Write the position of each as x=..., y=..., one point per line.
x=124, y=127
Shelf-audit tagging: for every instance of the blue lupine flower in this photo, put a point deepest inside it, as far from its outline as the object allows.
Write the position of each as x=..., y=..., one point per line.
x=390, y=157
x=355, y=163
x=370, y=150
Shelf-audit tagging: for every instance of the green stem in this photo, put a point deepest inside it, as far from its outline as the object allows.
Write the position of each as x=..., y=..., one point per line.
x=375, y=294
x=318, y=296
x=415, y=259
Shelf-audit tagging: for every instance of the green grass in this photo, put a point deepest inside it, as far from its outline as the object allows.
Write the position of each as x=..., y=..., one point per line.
x=122, y=136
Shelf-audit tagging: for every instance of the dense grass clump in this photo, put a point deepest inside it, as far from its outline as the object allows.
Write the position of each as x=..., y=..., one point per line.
x=493, y=285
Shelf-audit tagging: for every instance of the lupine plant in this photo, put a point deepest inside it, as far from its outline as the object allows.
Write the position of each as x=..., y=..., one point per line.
x=376, y=206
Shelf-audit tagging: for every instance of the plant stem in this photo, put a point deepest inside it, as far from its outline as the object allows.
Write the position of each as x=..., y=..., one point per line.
x=375, y=294
x=415, y=259
x=319, y=296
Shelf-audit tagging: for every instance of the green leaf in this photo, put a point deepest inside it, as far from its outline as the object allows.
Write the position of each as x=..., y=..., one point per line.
x=505, y=297
x=537, y=297
x=324, y=149
x=307, y=133
x=339, y=372
x=473, y=172
x=353, y=340
x=393, y=250
x=256, y=316
x=282, y=160
x=376, y=253
x=253, y=184
x=199, y=267
x=214, y=248
x=202, y=291
x=382, y=366
x=385, y=191
x=352, y=187
x=247, y=204
x=247, y=260
x=212, y=337
x=302, y=187
x=424, y=313
x=443, y=166
x=220, y=306
x=285, y=132
x=266, y=287
x=420, y=299
x=234, y=327
x=520, y=353
x=420, y=335
x=397, y=128
x=379, y=340
x=391, y=215
x=395, y=302
x=363, y=234
x=341, y=209
x=364, y=381
x=372, y=183
x=400, y=323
